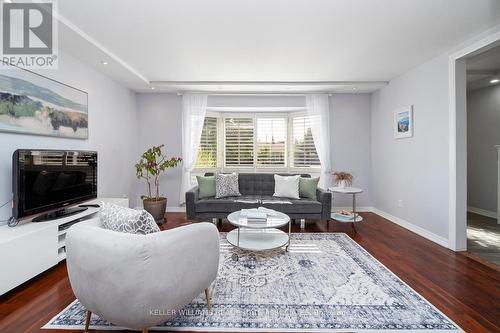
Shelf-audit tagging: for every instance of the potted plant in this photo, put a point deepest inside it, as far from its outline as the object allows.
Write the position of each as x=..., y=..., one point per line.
x=343, y=179
x=150, y=167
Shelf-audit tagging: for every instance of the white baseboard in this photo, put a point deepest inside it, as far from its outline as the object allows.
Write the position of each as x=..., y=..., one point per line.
x=483, y=212
x=413, y=228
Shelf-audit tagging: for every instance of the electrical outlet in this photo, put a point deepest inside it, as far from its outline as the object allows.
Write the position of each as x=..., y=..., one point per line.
x=400, y=203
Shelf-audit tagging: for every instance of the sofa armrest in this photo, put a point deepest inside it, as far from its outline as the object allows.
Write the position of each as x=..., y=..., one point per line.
x=325, y=197
x=192, y=196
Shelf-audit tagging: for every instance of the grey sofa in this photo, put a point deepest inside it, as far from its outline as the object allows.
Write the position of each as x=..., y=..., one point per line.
x=257, y=187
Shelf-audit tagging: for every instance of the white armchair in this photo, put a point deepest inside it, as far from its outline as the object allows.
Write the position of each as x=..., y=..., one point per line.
x=139, y=281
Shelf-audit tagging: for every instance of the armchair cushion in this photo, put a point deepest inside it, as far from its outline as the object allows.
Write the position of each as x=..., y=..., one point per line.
x=122, y=219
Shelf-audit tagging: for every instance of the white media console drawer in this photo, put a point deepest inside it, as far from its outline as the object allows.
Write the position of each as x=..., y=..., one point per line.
x=31, y=248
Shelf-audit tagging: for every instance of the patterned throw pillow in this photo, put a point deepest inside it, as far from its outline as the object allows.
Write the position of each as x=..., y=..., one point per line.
x=226, y=185
x=122, y=219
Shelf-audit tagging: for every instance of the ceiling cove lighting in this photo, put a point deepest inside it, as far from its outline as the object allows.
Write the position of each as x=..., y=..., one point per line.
x=495, y=81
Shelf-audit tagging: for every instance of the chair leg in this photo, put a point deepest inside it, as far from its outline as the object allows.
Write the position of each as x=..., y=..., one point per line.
x=207, y=295
x=144, y=330
x=87, y=320
x=302, y=223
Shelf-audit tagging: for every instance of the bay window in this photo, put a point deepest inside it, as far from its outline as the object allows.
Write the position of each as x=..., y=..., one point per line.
x=259, y=141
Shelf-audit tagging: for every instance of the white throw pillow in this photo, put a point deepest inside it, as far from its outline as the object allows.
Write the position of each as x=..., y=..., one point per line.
x=286, y=186
x=123, y=219
x=226, y=185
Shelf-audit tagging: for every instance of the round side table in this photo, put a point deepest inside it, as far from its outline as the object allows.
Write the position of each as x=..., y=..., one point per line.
x=347, y=190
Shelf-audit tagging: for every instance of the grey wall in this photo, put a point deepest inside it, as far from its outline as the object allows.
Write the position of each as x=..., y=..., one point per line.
x=112, y=132
x=413, y=170
x=483, y=133
x=160, y=122
x=351, y=150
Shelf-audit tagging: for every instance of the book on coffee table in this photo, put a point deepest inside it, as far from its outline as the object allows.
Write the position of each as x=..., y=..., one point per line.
x=256, y=217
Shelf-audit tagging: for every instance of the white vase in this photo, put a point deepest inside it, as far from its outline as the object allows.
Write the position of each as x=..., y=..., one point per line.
x=343, y=184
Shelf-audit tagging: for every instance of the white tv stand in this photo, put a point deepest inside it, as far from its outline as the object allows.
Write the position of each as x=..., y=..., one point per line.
x=31, y=248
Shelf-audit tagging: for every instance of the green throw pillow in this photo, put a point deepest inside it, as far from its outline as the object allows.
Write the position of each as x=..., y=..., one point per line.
x=308, y=187
x=206, y=186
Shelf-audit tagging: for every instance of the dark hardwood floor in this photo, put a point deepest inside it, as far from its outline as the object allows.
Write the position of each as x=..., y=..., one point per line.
x=466, y=290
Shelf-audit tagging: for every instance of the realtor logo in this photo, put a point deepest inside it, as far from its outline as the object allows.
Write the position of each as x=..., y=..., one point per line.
x=29, y=35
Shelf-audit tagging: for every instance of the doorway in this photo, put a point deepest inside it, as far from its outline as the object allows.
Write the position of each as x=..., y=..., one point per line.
x=458, y=161
x=483, y=145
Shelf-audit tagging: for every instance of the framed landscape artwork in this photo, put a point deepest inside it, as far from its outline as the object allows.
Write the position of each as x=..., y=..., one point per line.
x=403, y=122
x=33, y=104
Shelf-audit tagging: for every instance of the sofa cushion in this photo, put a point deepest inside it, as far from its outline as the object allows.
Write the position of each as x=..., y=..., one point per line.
x=206, y=185
x=286, y=186
x=226, y=185
x=213, y=205
x=308, y=187
x=297, y=206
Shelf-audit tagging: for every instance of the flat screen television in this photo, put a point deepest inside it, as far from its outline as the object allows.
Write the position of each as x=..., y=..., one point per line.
x=45, y=181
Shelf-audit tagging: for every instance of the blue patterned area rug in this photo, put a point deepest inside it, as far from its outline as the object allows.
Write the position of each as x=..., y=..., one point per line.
x=325, y=283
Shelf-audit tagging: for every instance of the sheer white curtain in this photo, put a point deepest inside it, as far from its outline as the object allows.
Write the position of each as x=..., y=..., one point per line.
x=194, y=108
x=319, y=113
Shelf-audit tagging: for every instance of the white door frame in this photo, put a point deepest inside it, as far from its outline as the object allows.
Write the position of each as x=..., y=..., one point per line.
x=457, y=216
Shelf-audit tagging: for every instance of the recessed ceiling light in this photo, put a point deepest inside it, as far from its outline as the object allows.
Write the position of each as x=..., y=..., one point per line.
x=153, y=88
x=354, y=88
x=104, y=62
x=495, y=81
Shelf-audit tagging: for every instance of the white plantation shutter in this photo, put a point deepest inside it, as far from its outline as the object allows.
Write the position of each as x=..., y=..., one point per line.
x=239, y=142
x=303, y=149
x=207, y=154
x=271, y=142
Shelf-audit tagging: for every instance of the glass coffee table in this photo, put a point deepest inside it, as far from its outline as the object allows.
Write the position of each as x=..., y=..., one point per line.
x=259, y=236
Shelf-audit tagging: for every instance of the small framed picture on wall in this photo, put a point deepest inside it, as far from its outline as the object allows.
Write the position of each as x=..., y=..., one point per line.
x=403, y=122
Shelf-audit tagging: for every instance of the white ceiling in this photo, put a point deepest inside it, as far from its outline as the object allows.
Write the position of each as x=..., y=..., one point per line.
x=206, y=45
x=482, y=68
